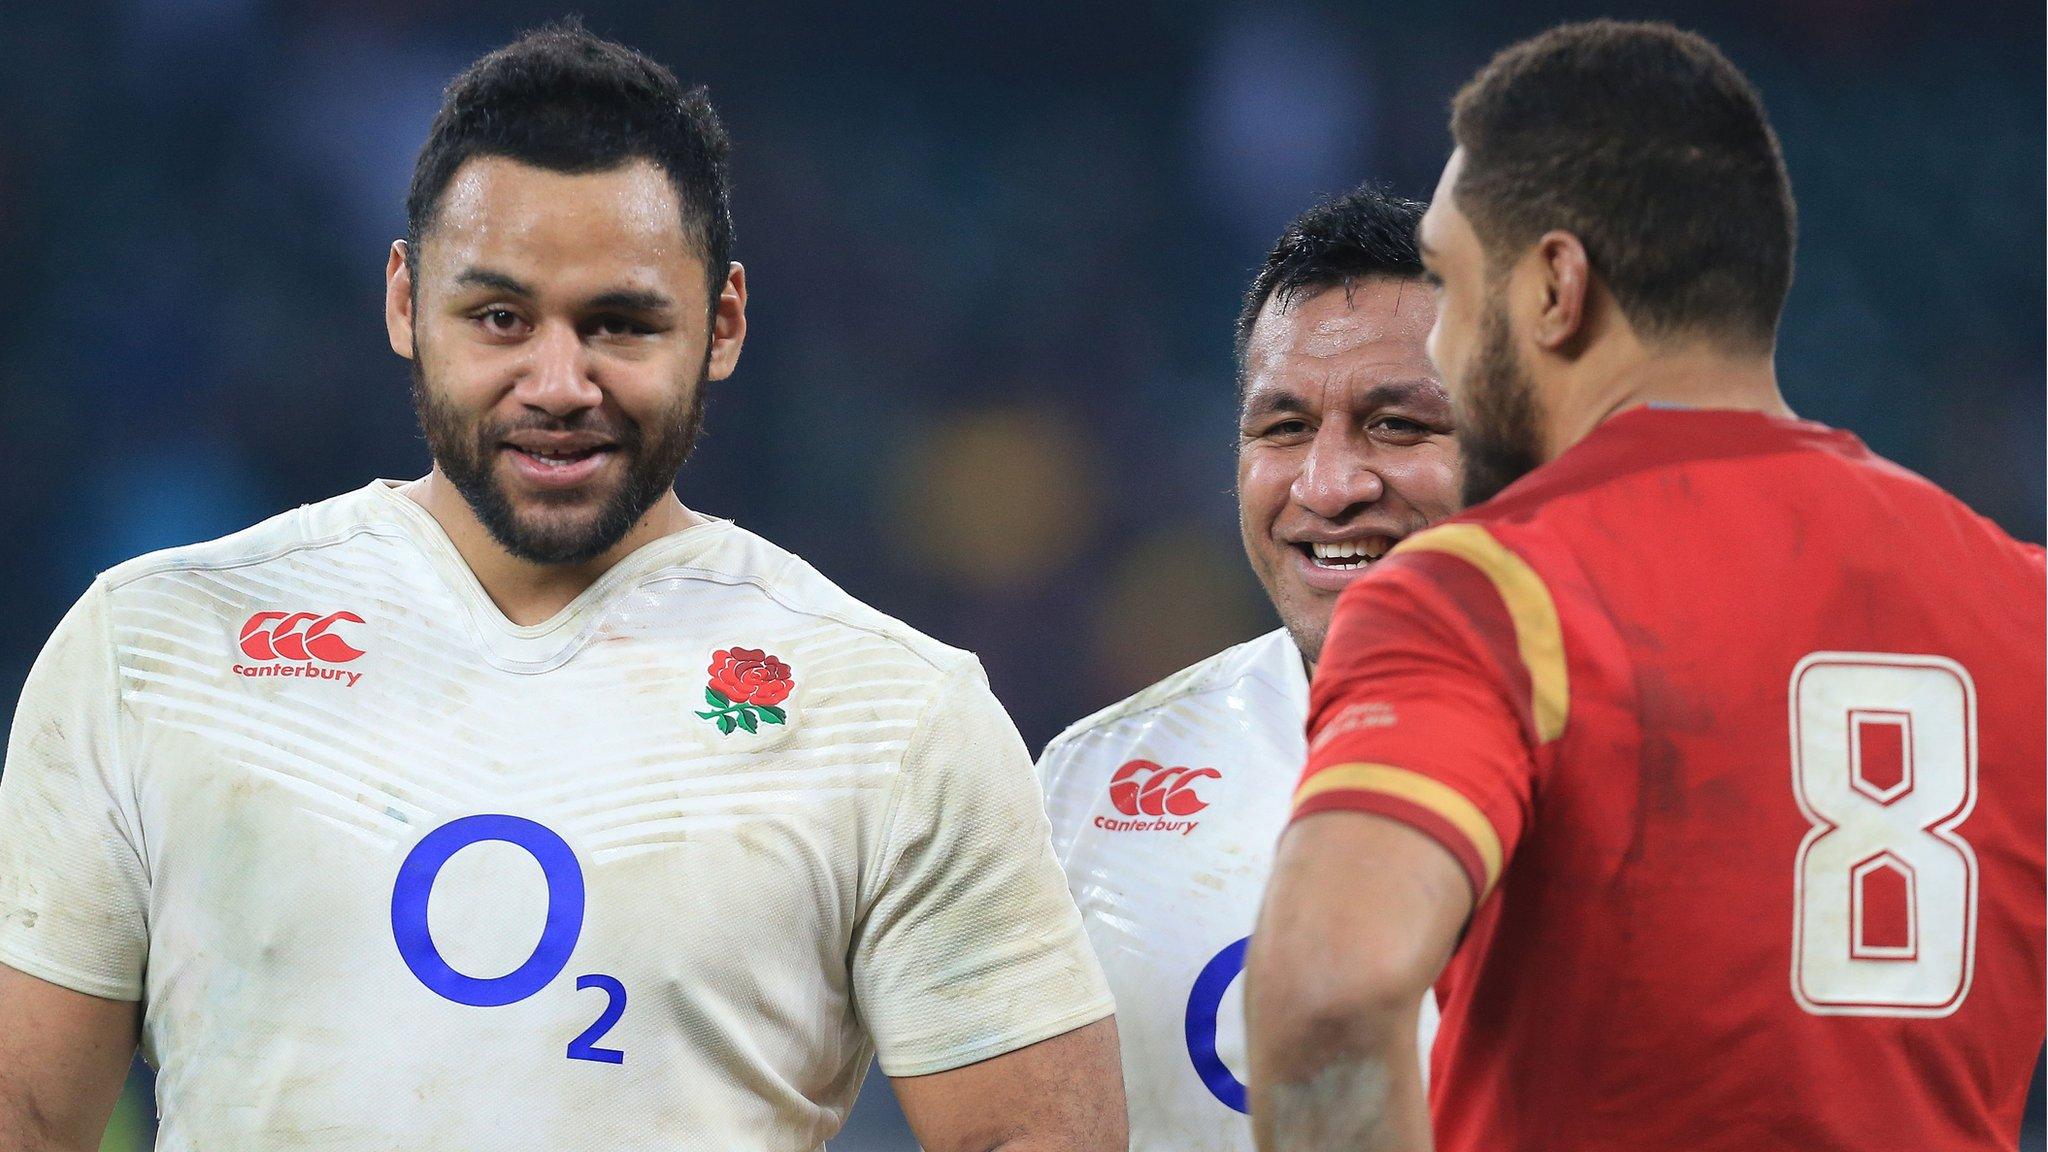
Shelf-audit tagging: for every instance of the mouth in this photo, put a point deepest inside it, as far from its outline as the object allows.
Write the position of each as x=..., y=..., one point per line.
x=558, y=461
x=1346, y=555
x=1332, y=564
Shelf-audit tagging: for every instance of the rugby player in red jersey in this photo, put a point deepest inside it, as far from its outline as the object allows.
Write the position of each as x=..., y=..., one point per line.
x=1699, y=765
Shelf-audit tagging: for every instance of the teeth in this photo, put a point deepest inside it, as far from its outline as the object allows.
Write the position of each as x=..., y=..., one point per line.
x=1350, y=553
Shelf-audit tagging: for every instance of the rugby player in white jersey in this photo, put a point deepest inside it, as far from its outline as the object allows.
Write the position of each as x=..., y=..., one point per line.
x=519, y=806
x=1166, y=807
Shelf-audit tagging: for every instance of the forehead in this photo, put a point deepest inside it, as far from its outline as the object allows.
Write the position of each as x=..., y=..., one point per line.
x=533, y=222
x=1375, y=333
x=1444, y=225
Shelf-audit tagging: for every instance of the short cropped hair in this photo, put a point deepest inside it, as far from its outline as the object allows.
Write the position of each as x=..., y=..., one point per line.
x=1648, y=145
x=1365, y=232
x=563, y=99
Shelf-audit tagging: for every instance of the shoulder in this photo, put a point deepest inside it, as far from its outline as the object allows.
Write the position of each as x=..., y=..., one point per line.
x=1264, y=658
x=1473, y=561
x=783, y=594
x=329, y=524
x=1466, y=597
x=1472, y=564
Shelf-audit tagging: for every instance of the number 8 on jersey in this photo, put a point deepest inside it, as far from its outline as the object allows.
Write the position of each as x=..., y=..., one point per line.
x=1884, y=763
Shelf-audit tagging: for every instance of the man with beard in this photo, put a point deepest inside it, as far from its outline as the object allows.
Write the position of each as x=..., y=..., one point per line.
x=1165, y=807
x=520, y=806
x=1723, y=803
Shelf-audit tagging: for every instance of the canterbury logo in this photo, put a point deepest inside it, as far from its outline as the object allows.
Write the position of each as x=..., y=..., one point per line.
x=298, y=636
x=1143, y=789
x=299, y=645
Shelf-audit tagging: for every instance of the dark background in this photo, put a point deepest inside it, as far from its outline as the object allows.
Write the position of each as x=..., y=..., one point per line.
x=994, y=256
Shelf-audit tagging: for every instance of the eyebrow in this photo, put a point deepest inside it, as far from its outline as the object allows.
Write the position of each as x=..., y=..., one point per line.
x=630, y=300
x=617, y=300
x=497, y=281
x=1275, y=401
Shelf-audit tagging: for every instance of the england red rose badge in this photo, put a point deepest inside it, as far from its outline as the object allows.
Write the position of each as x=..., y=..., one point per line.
x=746, y=685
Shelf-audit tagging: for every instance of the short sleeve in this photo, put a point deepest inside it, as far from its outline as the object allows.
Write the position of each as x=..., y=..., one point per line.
x=72, y=892
x=1063, y=807
x=1441, y=679
x=971, y=946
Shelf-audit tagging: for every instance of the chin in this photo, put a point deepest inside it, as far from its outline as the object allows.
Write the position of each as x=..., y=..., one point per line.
x=1310, y=642
x=555, y=529
x=1309, y=629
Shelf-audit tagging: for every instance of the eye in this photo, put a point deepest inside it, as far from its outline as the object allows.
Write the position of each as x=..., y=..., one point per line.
x=617, y=327
x=1284, y=430
x=1402, y=429
x=500, y=321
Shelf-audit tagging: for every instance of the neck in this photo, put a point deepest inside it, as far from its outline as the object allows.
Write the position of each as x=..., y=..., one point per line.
x=525, y=591
x=1691, y=376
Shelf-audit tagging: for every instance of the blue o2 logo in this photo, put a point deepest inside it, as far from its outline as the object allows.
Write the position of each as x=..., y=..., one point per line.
x=416, y=883
x=1205, y=1000
x=558, y=864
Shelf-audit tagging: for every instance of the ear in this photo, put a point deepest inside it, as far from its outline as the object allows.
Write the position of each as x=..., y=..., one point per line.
x=729, y=323
x=398, y=318
x=1565, y=278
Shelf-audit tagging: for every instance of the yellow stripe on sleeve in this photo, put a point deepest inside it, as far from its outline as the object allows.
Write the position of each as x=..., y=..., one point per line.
x=1539, y=637
x=1419, y=790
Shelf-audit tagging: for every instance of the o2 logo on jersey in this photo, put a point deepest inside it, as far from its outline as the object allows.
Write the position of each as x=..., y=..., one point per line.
x=1205, y=1004
x=1144, y=789
x=415, y=884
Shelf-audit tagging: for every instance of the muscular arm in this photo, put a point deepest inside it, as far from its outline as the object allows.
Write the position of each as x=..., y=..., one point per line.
x=1065, y=1094
x=63, y=1056
x=1359, y=918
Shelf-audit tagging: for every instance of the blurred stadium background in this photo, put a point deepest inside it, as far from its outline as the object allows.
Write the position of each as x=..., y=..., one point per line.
x=994, y=254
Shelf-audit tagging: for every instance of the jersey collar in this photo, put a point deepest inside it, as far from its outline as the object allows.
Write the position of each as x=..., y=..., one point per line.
x=532, y=648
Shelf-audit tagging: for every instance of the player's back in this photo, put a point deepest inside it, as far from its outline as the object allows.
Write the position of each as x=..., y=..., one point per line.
x=1781, y=882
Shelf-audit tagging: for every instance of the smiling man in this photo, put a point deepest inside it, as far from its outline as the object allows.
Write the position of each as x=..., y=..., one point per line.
x=625, y=829
x=1166, y=807
x=1713, y=817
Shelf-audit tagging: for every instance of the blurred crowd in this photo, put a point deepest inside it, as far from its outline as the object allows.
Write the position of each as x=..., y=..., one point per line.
x=994, y=252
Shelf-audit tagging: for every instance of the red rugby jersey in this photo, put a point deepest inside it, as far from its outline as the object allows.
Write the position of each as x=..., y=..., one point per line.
x=1737, y=730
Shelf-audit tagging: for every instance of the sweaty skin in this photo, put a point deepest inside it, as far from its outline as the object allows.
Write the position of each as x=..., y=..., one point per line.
x=1345, y=436
x=574, y=301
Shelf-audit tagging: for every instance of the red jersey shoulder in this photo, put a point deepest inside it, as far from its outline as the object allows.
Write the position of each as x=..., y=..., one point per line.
x=1443, y=673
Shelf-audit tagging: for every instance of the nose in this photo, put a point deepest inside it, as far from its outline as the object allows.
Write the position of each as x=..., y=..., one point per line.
x=1337, y=476
x=557, y=377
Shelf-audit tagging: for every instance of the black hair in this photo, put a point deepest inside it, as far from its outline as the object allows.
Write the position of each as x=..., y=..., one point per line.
x=1648, y=145
x=566, y=100
x=1365, y=232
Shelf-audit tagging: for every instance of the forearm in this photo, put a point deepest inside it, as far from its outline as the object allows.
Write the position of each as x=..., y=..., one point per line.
x=1348, y=1080
x=63, y=1058
x=1359, y=918
x=26, y=1128
x=1065, y=1094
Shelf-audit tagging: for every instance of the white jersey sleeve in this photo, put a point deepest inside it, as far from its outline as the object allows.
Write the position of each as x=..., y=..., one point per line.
x=971, y=946
x=72, y=888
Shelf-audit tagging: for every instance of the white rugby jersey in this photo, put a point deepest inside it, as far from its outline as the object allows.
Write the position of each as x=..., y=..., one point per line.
x=1166, y=810
x=388, y=871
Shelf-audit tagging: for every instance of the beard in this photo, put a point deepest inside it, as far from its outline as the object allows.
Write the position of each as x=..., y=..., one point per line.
x=466, y=447
x=1498, y=428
